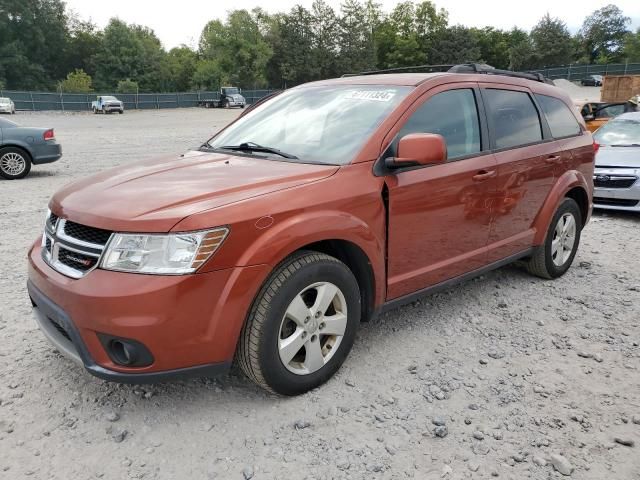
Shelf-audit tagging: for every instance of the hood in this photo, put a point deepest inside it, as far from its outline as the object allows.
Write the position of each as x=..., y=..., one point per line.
x=237, y=97
x=153, y=196
x=618, y=157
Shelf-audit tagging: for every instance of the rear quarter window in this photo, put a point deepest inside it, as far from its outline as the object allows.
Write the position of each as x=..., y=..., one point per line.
x=561, y=121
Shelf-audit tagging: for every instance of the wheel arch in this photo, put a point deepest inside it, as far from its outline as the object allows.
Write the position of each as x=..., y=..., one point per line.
x=19, y=146
x=571, y=184
x=358, y=262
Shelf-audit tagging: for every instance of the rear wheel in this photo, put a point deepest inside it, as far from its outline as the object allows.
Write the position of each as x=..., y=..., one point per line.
x=555, y=256
x=302, y=324
x=14, y=163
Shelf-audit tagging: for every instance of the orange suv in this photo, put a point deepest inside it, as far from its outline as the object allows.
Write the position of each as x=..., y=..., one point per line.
x=317, y=209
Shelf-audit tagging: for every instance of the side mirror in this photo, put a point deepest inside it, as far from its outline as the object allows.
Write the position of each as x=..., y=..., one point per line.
x=419, y=149
x=589, y=118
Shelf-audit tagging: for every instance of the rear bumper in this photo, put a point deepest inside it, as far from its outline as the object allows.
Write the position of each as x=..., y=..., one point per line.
x=46, y=153
x=189, y=323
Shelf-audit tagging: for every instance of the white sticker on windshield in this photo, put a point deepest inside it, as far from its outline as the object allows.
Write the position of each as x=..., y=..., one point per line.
x=376, y=95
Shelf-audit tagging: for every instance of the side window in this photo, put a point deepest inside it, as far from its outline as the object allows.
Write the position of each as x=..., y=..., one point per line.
x=610, y=111
x=452, y=114
x=561, y=121
x=514, y=118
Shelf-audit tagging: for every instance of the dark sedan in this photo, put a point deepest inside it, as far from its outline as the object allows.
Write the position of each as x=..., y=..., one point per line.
x=20, y=147
x=592, y=81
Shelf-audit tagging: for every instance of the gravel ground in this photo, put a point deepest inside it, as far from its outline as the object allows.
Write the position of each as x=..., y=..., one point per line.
x=506, y=376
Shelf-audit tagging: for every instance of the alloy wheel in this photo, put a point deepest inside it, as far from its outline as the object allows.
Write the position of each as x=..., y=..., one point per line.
x=12, y=163
x=564, y=239
x=312, y=328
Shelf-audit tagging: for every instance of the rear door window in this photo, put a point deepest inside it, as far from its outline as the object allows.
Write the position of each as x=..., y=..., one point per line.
x=561, y=121
x=514, y=118
x=452, y=114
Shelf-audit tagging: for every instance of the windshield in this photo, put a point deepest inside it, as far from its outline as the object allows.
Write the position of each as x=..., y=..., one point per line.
x=324, y=124
x=230, y=91
x=619, y=132
x=4, y=101
x=109, y=99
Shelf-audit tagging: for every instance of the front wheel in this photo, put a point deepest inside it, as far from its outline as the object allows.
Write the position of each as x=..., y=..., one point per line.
x=121, y=111
x=14, y=163
x=555, y=256
x=302, y=324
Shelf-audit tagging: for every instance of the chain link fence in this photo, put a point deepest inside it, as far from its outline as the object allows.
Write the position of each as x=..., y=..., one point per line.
x=80, y=102
x=580, y=72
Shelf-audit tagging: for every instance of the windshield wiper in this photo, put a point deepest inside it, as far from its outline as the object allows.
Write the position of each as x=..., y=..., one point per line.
x=626, y=145
x=254, y=147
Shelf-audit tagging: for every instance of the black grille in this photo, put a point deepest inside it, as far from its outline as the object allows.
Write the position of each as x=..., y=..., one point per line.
x=76, y=260
x=615, y=202
x=60, y=329
x=47, y=244
x=86, y=234
x=614, y=182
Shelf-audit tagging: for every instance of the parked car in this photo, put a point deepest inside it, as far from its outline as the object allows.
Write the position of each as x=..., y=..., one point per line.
x=596, y=114
x=7, y=105
x=228, y=97
x=322, y=207
x=618, y=164
x=592, y=81
x=21, y=147
x=107, y=104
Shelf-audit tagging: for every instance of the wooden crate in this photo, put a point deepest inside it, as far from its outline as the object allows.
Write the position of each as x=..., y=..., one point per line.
x=620, y=88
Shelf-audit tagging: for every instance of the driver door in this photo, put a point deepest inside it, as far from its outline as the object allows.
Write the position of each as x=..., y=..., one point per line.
x=440, y=215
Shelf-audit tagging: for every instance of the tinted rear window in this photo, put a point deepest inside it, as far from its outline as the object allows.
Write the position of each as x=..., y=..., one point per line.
x=514, y=118
x=561, y=121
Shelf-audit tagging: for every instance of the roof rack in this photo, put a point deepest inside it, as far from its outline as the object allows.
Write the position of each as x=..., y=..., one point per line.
x=461, y=68
x=412, y=69
x=489, y=70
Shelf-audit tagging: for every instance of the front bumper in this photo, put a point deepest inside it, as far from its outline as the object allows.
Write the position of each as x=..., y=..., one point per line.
x=46, y=153
x=626, y=199
x=189, y=323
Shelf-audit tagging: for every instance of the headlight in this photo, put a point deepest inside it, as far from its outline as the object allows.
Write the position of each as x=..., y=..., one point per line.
x=162, y=254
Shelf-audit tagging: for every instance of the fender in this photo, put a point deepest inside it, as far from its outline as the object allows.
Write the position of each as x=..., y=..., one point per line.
x=294, y=233
x=18, y=144
x=568, y=180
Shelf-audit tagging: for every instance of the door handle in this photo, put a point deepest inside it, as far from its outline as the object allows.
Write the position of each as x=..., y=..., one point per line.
x=552, y=158
x=483, y=175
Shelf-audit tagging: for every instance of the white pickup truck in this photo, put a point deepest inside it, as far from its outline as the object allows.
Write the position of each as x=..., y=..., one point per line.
x=107, y=104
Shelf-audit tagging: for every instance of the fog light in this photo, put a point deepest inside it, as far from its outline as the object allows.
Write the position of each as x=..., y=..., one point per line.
x=125, y=351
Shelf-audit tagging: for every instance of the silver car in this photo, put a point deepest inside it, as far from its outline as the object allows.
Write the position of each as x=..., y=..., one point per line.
x=7, y=105
x=618, y=164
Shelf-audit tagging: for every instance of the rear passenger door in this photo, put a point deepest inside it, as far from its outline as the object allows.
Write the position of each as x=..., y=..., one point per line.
x=525, y=164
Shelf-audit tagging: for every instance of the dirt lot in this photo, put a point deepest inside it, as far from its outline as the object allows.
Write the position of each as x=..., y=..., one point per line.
x=519, y=377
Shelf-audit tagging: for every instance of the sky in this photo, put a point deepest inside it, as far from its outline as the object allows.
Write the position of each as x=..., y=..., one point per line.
x=177, y=23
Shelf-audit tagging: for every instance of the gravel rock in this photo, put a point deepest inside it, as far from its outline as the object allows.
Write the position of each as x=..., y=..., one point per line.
x=112, y=416
x=441, y=431
x=478, y=435
x=541, y=462
x=626, y=441
x=439, y=420
x=247, y=472
x=301, y=424
x=561, y=464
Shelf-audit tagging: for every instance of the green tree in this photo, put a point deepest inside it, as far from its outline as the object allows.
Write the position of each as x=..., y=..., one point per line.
x=324, y=48
x=130, y=51
x=77, y=82
x=494, y=46
x=356, y=49
x=83, y=44
x=238, y=47
x=127, y=86
x=33, y=39
x=551, y=42
x=180, y=66
x=631, y=48
x=208, y=76
x=603, y=33
x=455, y=45
x=521, y=52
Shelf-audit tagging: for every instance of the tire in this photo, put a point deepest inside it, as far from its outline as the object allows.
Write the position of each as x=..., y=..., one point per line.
x=225, y=104
x=121, y=112
x=15, y=163
x=95, y=111
x=295, y=286
x=552, y=261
